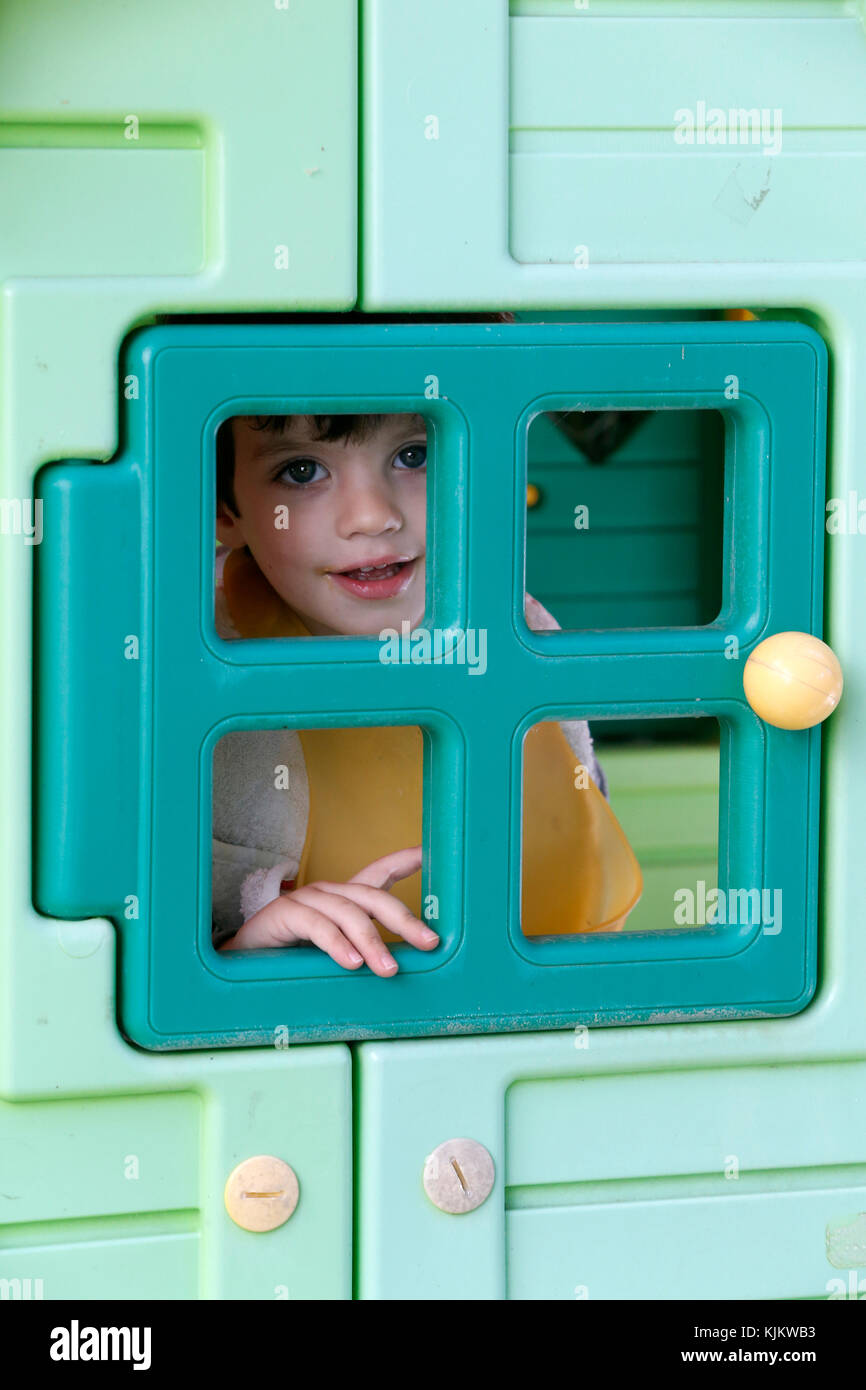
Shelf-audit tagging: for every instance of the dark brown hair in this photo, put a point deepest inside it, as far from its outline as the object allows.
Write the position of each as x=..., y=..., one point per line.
x=329, y=427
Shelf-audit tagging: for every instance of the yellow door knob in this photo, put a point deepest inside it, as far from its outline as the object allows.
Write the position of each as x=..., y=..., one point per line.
x=793, y=680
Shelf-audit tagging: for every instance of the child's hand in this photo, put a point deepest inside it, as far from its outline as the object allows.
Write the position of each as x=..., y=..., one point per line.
x=537, y=616
x=337, y=917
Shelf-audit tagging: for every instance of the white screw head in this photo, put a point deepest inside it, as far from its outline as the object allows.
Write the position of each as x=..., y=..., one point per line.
x=261, y=1193
x=459, y=1175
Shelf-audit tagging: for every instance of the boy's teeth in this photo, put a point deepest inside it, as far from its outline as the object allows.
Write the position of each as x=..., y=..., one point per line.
x=376, y=569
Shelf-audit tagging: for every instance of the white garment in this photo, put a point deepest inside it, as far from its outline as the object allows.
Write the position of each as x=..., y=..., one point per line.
x=260, y=824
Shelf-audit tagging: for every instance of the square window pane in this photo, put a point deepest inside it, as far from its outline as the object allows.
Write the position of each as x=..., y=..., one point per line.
x=294, y=808
x=321, y=524
x=618, y=835
x=625, y=517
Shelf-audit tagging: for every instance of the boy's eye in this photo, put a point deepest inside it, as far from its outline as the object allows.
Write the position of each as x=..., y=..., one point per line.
x=300, y=471
x=412, y=456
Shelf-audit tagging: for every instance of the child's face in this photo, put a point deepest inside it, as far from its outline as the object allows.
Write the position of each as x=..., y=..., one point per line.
x=350, y=505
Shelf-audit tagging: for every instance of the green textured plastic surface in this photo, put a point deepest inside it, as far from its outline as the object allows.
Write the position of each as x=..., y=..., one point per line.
x=685, y=1178
x=154, y=729
x=561, y=155
x=121, y=1195
x=794, y=250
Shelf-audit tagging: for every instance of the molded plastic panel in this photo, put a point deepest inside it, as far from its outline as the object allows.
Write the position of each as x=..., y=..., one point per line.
x=673, y=1179
x=154, y=159
x=120, y=1195
x=608, y=154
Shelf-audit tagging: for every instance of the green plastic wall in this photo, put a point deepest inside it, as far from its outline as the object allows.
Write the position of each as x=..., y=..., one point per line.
x=153, y=159
x=573, y=195
x=552, y=183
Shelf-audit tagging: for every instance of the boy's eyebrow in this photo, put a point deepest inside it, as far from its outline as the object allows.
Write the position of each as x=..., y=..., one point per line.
x=415, y=422
x=275, y=441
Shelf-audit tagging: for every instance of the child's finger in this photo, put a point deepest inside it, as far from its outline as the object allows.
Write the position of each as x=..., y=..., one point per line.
x=388, y=910
x=332, y=941
x=388, y=870
x=307, y=923
x=354, y=923
x=413, y=931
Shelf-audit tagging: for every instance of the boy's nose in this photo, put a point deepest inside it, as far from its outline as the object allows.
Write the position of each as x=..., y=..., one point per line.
x=368, y=510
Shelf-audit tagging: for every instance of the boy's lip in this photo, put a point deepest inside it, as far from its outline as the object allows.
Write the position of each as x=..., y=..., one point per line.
x=367, y=586
x=374, y=564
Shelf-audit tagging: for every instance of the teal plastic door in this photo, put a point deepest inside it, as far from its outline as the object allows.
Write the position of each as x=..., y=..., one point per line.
x=133, y=816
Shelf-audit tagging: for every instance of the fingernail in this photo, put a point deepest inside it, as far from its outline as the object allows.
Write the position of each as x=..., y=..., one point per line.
x=387, y=963
x=429, y=935
x=355, y=958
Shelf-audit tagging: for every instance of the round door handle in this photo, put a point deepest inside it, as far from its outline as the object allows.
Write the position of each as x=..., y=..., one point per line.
x=793, y=680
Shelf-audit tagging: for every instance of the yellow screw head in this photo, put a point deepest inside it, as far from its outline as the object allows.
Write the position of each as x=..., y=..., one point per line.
x=458, y=1175
x=533, y=495
x=793, y=680
x=261, y=1193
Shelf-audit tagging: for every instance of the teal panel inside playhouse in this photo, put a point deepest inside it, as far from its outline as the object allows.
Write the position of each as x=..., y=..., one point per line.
x=737, y=409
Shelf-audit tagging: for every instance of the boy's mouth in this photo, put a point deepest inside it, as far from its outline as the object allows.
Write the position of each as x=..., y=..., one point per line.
x=382, y=579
